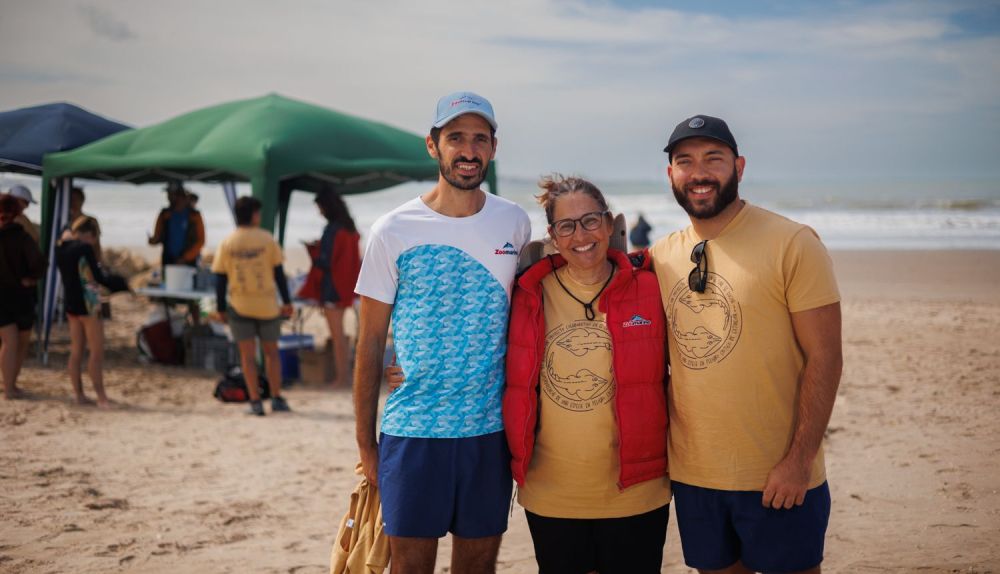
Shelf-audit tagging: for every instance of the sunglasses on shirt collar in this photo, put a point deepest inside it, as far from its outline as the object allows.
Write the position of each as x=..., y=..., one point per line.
x=698, y=277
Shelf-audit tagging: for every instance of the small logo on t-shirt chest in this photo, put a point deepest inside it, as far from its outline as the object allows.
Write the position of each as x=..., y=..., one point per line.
x=637, y=321
x=507, y=249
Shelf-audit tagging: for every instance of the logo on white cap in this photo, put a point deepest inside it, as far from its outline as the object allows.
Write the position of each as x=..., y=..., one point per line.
x=696, y=123
x=465, y=100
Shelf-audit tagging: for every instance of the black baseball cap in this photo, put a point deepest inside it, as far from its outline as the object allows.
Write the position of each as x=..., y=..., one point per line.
x=702, y=127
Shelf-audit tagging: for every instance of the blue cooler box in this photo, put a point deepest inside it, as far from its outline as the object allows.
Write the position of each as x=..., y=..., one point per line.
x=288, y=348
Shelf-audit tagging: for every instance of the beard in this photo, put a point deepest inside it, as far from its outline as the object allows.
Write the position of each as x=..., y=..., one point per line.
x=724, y=195
x=458, y=181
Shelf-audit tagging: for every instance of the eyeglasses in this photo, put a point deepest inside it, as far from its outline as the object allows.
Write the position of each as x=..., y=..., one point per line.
x=697, y=278
x=589, y=221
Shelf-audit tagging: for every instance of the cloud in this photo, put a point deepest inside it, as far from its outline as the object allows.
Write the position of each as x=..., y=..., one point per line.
x=580, y=86
x=104, y=24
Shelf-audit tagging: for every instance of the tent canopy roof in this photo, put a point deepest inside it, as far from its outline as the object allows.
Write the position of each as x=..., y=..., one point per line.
x=268, y=139
x=27, y=134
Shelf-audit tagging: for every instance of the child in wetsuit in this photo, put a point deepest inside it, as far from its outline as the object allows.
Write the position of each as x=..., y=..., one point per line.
x=77, y=262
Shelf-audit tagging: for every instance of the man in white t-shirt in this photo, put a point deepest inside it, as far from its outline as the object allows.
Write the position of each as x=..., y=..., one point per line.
x=441, y=267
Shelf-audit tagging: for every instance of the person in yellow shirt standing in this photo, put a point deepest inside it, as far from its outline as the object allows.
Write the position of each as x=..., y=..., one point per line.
x=754, y=331
x=248, y=263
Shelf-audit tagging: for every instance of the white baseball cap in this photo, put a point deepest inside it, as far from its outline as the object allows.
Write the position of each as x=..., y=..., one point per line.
x=22, y=192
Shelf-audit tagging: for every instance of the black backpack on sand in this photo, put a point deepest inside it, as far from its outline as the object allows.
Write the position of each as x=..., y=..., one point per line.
x=232, y=387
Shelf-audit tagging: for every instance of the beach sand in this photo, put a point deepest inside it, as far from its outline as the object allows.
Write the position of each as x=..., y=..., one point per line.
x=174, y=481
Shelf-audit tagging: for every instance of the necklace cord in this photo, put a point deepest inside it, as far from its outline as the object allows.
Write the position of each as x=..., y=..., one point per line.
x=588, y=307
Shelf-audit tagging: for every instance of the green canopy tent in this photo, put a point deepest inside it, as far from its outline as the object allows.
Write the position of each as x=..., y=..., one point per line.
x=275, y=143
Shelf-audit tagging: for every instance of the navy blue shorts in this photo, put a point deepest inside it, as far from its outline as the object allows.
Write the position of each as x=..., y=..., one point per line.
x=719, y=527
x=432, y=486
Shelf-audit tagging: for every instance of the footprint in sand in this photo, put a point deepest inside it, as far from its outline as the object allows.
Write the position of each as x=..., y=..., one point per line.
x=108, y=504
x=47, y=472
x=15, y=419
x=236, y=519
x=112, y=549
x=162, y=549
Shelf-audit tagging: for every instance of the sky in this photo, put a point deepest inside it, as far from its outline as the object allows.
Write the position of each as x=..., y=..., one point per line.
x=813, y=91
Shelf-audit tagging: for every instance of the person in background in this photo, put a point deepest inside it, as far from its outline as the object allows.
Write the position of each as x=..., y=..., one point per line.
x=24, y=198
x=21, y=266
x=179, y=228
x=76, y=201
x=23, y=195
x=638, y=236
x=249, y=264
x=76, y=259
x=755, y=357
x=336, y=263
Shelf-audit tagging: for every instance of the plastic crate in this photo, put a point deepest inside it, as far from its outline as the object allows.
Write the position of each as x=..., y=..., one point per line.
x=204, y=280
x=212, y=353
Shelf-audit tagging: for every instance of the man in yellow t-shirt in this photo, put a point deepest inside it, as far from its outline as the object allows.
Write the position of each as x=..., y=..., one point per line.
x=248, y=262
x=755, y=355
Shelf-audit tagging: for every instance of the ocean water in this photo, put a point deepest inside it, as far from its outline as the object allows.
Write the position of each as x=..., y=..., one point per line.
x=908, y=215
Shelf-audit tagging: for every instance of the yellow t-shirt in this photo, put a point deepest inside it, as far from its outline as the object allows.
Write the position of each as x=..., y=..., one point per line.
x=735, y=363
x=248, y=258
x=574, y=470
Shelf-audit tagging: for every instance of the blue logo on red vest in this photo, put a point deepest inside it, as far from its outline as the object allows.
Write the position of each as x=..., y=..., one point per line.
x=507, y=249
x=637, y=321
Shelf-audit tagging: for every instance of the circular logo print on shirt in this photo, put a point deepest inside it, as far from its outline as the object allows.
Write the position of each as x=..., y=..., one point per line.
x=572, y=352
x=706, y=326
x=696, y=123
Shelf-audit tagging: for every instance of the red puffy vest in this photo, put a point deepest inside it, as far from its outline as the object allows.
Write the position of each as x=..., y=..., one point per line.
x=344, y=268
x=637, y=327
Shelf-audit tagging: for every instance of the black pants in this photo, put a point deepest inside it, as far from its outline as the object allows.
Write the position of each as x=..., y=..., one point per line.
x=627, y=545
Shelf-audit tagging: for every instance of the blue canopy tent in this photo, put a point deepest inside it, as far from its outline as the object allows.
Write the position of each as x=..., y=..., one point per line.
x=26, y=135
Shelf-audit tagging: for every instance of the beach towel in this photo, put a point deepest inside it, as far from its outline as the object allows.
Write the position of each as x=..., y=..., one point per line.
x=361, y=546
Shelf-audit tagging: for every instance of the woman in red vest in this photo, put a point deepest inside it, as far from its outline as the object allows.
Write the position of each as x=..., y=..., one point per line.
x=336, y=262
x=585, y=407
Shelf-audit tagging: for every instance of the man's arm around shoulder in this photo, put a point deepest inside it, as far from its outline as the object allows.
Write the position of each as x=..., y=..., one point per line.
x=373, y=327
x=818, y=334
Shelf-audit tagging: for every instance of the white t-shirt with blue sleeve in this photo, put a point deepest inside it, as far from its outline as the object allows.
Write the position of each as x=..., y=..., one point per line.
x=449, y=280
